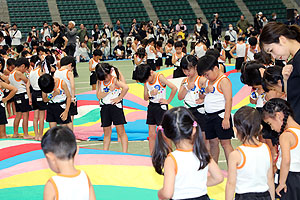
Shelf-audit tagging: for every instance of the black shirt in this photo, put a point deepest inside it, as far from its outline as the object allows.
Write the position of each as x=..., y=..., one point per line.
x=142, y=33
x=293, y=89
x=59, y=42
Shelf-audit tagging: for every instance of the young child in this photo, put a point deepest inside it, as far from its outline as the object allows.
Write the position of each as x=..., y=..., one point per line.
x=159, y=51
x=151, y=53
x=18, y=79
x=186, y=169
x=241, y=50
x=60, y=148
x=200, y=48
x=227, y=47
x=56, y=93
x=10, y=104
x=97, y=55
x=278, y=113
x=253, y=48
x=12, y=91
x=140, y=57
x=155, y=91
x=217, y=105
x=110, y=92
x=36, y=99
x=176, y=59
x=128, y=50
x=65, y=73
x=169, y=49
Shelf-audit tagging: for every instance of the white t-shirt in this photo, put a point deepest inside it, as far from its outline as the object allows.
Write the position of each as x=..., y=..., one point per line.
x=16, y=37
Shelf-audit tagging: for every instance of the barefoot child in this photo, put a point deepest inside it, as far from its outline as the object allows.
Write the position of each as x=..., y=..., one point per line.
x=97, y=55
x=176, y=59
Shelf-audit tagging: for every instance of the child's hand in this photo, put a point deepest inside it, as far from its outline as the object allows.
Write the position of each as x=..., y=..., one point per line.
x=154, y=92
x=116, y=100
x=191, y=85
x=56, y=92
x=286, y=71
x=199, y=101
x=225, y=124
x=64, y=116
x=30, y=101
x=209, y=88
x=163, y=101
x=281, y=187
x=4, y=100
x=112, y=87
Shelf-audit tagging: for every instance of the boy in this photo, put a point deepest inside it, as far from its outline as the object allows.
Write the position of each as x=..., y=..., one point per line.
x=56, y=93
x=154, y=91
x=18, y=79
x=253, y=49
x=97, y=55
x=65, y=73
x=151, y=53
x=217, y=105
x=227, y=47
x=169, y=52
x=176, y=59
x=59, y=146
x=241, y=50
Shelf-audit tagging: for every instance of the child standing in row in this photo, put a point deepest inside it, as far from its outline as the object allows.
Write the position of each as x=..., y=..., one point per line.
x=176, y=59
x=159, y=51
x=186, y=169
x=151, y=53
x=169, y=49
x=241, y=50
x=140, y=57
x=97, y=55
x=156, y=92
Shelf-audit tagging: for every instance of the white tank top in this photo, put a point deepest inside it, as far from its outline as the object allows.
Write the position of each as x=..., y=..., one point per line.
x=20, y=85
x=241, y=50
x=250, y=54
x=252, y=173
x=72, y=187
x=161, y=94
x=61, y=97
x=138, y=60
x=199, y=51
x=215, y=101
x=228, y=48
x=189, y=181
x=150, y=54
x=178, y=60
x=94, y=63
x=170, y=53
x=111, y=94
x=193, y=94
x=159, y=54
x=221, y=54
x=34, y=78
x=63, y=75
x=294, y=152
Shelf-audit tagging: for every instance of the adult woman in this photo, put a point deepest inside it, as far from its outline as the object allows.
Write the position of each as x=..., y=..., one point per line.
x=59, y=39
x=283, y=41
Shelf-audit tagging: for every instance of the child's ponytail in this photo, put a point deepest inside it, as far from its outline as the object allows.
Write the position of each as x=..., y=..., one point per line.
x=199, y=148
x=117, y=72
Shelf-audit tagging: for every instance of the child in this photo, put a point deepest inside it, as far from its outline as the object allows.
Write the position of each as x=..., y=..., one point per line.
x=56, y=93
x=135, y=45
x=217, y=105
x=60, y=148
x=65, y=73
x=140, y=57
x=151, y=53
x=185, y=169
x=253, y=48
x=10, y=104
x=3, y=120
x=110, y=92
x=250, y=173
x=128, y=50
x=241, y=50
x=154, y=91
x=169, y=49
x=221, y=56
x=176, y=59
x=227, y=47
x=18, y=79
x=278, y=113
x=200, y=48
x=36, y=99
x=97, y=55
x=159, y=51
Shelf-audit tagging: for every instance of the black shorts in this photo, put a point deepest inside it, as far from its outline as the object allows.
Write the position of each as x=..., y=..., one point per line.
x=293, y=186
x=227, y=54
x=3, y=119
x=213, y=128
x=22, y=102
x=200, y=118
x=178, y=72
x=253, y=196
x=267, y=132
x=54, y=110
x=238, y=63
x=112, y=114
x=37, y=101
x=155, y=113
x=151, y=62
x=93, y=78
x=203, y=197
x=73, y=109
x=168, y=61
x=134, y=74
x=159, y=62
x=6, y=94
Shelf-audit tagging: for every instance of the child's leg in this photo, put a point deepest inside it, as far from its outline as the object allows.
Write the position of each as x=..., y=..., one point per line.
x=16, y=124
x=123, y=137
x=226, y=144
x=2, y=131
x=107, y=137
x=41, y=123
x=206, y=142
x=13, y=108
x=214, y=149
x=229, y=60
x=94, y=87
x=52, y=124
x=8, y=108
x=25, y=125
x=36, y=124
x=71, y=126
x=152, y=136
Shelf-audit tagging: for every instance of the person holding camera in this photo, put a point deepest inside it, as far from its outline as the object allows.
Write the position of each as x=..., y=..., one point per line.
x=231, y=33
x=34, y=33
x=119, y=28
x=45, y=31
x=216, y=27
x=15, y=36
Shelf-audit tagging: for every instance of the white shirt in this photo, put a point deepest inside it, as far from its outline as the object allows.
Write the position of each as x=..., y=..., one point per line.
x=199, y=51
x=61, y=97
x=150, y=54
x=111, y=94
x=232, y=34
x=193, y=94
x=34, y=78
x=250, y=54
x=20, y=85
x=16, y=37
x=46, y=33
x=240, y=50
x=63, y=75
x=161, y=94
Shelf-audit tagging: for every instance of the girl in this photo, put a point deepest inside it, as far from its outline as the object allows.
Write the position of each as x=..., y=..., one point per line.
x=97, y=55
x=169, y=49
x=241, y=50
x=159, y=51
x=222, y=56
x=128, y=50
x=283, y=41
x=278, y=113
x=139, y=58
x=200, y=48
x=250, y=173
x=110, y=92
x=227, y=47
x=151, y=53
x=185, y=169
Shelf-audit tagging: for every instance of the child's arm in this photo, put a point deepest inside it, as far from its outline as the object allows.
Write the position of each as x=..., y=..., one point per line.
x=136, y=61
x=225, y=86
x=13, y=90
x=271, y=181
x=92, y=191
x=173, y=59
x=233, y=161
x=100, y=95
x=153, y=49
x=170, y=85
x=125, y=89
x=166, y=192
x=223, y=57
x=232, y=50
x=20, y=76
x=90, y=65
x=204, y=48
x=146, y=95
x=182, y=90
x=72, y=82
x=216, y=175
x=28, y=92
x=64, y=115
x=49, y=191
x=246, y=53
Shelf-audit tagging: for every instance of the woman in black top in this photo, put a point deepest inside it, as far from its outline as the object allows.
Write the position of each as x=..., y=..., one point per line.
x=59, y=39
x=282, y=41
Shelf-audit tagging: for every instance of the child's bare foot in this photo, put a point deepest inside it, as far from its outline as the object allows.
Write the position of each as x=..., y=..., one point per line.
x=28, y=137
x=3, y=137
x=16, y=135
x=36, y=137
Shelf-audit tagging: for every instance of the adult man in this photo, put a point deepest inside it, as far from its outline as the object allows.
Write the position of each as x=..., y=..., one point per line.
x=231, y=33
x=15, y=36
x=243, y=24
x=71, y=32
x=119, y=28
x=216, y=27
x=81, y=33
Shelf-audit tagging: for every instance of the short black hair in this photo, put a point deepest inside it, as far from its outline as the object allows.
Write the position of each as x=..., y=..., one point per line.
x=35, y=43
x=61, y=142
x=22, y=61
x=206, y=63
x=40, y=48
x=138, y=38
x=2, y=52
x=188, y=61
x=170, y=41
x=47, y=44
x=227, y=37
x=250, y=74
x=24, y=53
x=213, y=52
x=159, y=43
x=10, y=62
x=34, y=58
x=67, y=60
x=142, y=72
x=19, y=48
x=241, y=39
x=252, y=41
x=151, y=40
x=2, y=62
x=97, y=52
x=46, y=83
x=178, y=44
